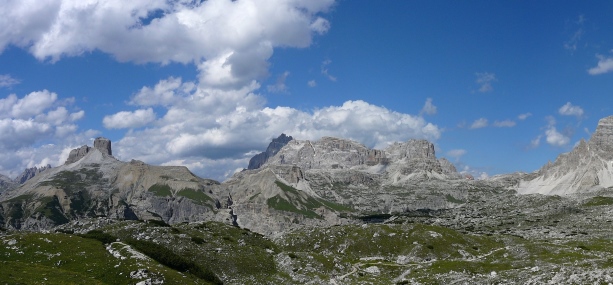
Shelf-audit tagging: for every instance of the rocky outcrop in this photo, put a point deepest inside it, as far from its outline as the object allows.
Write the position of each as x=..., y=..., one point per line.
x=100, y=143
x=94, y=184
x=6, y=183
x=29, y=173
x=260, y=159
x=601, y=141
x=588, y=167
x=103, y=145
x=77, y=154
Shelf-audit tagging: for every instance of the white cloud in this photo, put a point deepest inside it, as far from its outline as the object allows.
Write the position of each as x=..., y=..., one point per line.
x=230, y=41
x=38, y=118
x=535, y=142
x=479, y=123
x=552, y=136
x=428, y=108
x=504, y=124
x=164, y=93
x=324, y=70
x=572, y=43
x=485, y=80
x=125, y=119
x=279, y=86
x=524, y=116
x=569, y=109
x=555, y=138
x=216, y=125
x=605, y=65
x=7, y=81
x=30, y=105
x=312, y=83
x=320, y=25
x=456, y=153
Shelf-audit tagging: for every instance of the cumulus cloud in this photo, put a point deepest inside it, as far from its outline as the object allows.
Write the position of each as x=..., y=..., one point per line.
x=479, y=123
x=569, y=109
x=553, y=136
x=524, y=116
x=324, y=70
x=164, y=93
x=312, y=83
x=573, y=41
x=213, y=125
x=279, y=86
x=456, y=153
x=428, y=108
x=34, y=130
x=7, y=81
x=129, y=120
x=230, y=41
x=485, y=80
x=535, y=142
x=605, y=65
x=504, y=124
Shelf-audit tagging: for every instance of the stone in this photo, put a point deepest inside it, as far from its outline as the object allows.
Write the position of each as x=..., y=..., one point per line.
x=6, y=183
x=100, y=143
x=77, y=154
x=587, y=168
x=29, y=173
x=602, y=139
x=103, y=145
x=275, y=145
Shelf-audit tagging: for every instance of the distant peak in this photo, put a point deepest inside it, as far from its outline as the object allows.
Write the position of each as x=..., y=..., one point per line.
x=100, y=143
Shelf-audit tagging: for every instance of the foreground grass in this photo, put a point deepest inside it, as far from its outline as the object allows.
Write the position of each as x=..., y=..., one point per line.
x=37, y=258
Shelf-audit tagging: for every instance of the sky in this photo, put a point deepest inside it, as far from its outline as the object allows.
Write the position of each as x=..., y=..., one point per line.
x=497, y=86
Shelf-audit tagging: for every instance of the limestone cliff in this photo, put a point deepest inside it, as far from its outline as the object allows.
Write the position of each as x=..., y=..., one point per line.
x=29, y=173
x=259, y=159
x=588, y=167
x=93, y=183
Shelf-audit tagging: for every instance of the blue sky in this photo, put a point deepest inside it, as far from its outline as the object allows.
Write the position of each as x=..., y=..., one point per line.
x=498, y=86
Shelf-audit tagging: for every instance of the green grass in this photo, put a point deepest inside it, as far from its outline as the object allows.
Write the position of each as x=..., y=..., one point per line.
x=453, y=199
x=51, y=208
x=161, y=190
x=36, y=258
x=598, y=201
x=198, y=197
x=281, y=204
x=300, y=205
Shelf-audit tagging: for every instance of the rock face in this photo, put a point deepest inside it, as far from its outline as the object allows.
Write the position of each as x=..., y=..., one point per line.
x=94, y=184
x=588, y=167
x=308, y=182
x=259, y=159
x=103, y=145
x=29, y=173
x=602, y=139
x=6, y=183
x=100, y=143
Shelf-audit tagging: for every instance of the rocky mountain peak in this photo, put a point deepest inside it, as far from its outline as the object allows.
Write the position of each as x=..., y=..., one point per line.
x=602, y=140
x=29, y=173
x=100, y=143
x=588, y=167
x=275, y=145
x=103, y=145
x=411, y=149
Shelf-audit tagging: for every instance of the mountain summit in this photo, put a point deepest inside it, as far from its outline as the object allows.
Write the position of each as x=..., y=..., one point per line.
x=588, y=167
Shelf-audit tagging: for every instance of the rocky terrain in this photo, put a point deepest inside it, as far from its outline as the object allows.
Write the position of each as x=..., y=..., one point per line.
x=92, y=183
x=329, y=211
x=588, y=167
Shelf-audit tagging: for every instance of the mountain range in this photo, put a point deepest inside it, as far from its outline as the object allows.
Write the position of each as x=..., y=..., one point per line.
x=333, y=211
x=289, y=184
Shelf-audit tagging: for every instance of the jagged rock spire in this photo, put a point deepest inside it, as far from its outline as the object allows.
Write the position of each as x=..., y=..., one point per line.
x=100, y=143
